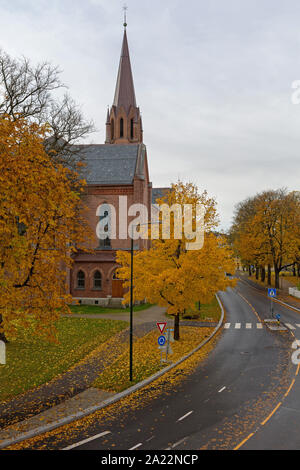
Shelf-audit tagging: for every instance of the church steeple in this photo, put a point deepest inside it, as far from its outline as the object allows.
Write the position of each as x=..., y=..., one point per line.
x=123, y=124
x=124, y=93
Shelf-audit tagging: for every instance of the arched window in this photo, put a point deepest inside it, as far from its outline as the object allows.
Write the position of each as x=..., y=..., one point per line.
x=131, y=128
x=80, y=280
x=112, y=129
x=105, y=243
x=97, y=280
x=121, y=127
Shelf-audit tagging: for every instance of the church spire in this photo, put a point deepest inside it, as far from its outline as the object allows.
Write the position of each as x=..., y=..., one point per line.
x=124, y=94
x=123, y=124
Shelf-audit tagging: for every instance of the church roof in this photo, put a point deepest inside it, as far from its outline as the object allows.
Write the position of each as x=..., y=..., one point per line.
x=112, y=164
x=158, y=193
x=124, y=93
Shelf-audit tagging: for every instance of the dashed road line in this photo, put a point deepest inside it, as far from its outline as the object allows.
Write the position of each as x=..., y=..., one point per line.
x=237, y=326
x=221, y=389
x=185, y=416
x=87, y=440
x=136, y=446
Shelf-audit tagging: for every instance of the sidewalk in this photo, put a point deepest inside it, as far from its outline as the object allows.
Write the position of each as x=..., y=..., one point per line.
x=154, y=314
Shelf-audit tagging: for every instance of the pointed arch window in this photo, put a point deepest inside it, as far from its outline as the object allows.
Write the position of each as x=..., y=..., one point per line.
x=112, y=129
x=97, y=280
x=105, y=243
x=80, y=280
x=121, y=127
x=131, y=129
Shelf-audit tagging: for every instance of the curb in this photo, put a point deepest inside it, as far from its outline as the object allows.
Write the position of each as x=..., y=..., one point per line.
x=114, y=399
x=276, y=299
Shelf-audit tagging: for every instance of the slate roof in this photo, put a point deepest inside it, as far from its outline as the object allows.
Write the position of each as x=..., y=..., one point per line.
x=158, y=193
x=111, y=164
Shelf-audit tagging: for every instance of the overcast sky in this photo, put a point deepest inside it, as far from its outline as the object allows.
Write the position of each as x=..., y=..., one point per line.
x=212, y=78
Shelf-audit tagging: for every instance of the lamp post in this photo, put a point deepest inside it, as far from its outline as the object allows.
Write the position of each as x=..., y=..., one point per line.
x=131, y=301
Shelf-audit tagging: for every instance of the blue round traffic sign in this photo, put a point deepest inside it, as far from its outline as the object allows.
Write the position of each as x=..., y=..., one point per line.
x=161, y=340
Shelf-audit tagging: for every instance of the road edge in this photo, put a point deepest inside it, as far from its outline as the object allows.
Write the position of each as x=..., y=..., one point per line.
x=81, y=414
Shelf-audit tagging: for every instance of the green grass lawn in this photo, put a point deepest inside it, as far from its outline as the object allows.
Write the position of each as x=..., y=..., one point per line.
x=96, y=309
x=207, y=312
x=32, y=361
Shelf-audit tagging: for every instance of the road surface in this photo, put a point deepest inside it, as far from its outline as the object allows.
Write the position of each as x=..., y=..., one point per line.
x=245, y=395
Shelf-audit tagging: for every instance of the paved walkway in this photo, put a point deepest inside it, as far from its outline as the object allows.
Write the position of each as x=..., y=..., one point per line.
x=153, y=314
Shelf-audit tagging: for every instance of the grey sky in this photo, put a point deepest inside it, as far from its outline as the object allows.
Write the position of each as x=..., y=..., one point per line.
x=212, y=78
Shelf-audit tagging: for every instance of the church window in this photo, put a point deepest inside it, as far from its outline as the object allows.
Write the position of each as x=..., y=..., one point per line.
x=121, y=127
x=105, y=243
x=97, y=280
x=80, y=280
x=131, y=128
x=112, y=127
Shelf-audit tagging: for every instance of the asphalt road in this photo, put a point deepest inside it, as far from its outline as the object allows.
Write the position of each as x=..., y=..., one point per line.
x=244, y=395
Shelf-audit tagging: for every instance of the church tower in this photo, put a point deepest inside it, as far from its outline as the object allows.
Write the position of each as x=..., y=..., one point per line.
x=124, y=122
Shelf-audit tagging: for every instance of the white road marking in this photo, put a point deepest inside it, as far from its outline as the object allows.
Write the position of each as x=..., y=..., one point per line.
x=248, y=325
x=237, y=326
x=227, y=325
x=135, y=447
x=87, y=440
x=259, y=325
x=291, y=327
x=221, y=389
x=176, y=444
x=298, y=324
x=185, y=416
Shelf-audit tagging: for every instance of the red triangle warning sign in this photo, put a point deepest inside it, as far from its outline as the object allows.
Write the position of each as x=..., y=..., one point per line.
x=161, y=325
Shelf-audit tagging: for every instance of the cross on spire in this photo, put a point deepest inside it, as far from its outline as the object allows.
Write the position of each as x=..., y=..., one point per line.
x=125, y=8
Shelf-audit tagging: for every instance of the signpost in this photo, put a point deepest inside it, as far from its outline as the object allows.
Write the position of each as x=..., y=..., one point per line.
x=170, y=339
x=2, y=353
x=164, y=341
x=272, y=294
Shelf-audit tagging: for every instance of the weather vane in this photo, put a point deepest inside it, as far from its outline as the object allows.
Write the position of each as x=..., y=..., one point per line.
x=125, y=8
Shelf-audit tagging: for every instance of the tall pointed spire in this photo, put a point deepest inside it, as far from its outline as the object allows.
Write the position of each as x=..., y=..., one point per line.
x=124, y=94
x=123, y=122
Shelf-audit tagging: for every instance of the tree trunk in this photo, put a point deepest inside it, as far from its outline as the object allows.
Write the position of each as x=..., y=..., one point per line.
x=2, y=335
x=294, y=269
x=269, y=275
x=256, y=273
x=249, y=269
x=176, y=327
x=263, y=274
x=298, y=269
x=277, y=277
x=199, y=305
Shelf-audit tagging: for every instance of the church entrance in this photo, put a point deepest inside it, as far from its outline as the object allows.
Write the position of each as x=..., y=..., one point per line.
x=117, y=287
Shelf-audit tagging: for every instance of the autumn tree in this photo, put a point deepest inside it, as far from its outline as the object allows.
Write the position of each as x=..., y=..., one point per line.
x=268, y=232
x=40, y=224
x=37, y=94
x=170, y=275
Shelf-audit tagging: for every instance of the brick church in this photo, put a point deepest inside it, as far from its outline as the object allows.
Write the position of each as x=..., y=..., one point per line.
x=117, y=168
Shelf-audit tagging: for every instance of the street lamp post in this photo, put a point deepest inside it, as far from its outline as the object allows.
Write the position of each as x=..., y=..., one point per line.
x=131, y=301
x=131, y=313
